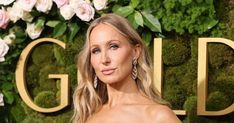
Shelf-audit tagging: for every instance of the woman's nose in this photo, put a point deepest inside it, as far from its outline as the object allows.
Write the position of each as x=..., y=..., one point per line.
x=105, y=59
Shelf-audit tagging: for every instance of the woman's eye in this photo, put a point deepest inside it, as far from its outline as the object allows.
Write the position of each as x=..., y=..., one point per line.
x=114, y=46
x=95, y=51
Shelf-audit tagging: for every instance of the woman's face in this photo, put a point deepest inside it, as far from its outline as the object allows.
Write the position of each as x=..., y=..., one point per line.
x=111, y=54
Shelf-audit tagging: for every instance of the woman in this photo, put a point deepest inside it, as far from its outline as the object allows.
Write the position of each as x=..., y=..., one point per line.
x=115, y=77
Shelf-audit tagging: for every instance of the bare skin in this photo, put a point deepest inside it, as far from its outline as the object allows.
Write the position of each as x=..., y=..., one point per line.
x=111, y=58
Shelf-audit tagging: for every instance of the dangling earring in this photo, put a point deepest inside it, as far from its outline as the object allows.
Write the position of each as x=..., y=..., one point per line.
x=95, y=81
x=134, y=70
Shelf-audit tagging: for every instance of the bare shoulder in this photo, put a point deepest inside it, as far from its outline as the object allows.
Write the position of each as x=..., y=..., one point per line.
x=91, y=119
x=162, y=114
x=95, y=118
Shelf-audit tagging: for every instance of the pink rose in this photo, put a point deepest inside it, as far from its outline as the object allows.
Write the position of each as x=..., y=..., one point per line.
x=4, y=19
x=84, y=10
x=61, y=3
x=27, y=5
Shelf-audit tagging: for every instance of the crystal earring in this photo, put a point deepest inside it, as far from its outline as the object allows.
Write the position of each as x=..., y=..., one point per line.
x=95, y=81
x=134, y=70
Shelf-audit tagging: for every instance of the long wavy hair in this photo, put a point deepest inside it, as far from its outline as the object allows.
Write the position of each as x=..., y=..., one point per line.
x=87, y=99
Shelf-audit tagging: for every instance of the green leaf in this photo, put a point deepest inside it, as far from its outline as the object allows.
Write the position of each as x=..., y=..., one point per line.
x=134, y=3
x=212, y=23
x=9, y=97
x=132, y=20
x=160, y=35
x=115, y=7
x=73, y=29
x=52, y=23
x=151, y=22
x=20, y=36
x=7, y=86
x=138, y=18
x=59, y=29
x=40, y=23
x=20, y=40
x=124, y=11
x=147, y=37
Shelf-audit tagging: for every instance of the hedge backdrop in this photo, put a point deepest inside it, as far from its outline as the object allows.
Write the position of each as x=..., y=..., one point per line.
x=179, y=22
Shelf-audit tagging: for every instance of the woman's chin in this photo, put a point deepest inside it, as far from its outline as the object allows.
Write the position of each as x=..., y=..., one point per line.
x=110, y=80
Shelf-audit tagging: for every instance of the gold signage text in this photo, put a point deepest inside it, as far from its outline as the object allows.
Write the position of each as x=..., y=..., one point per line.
x=202, y=83
x=21, y=84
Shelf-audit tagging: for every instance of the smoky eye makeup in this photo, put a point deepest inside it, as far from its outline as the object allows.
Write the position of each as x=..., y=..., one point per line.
x=111, y=44
x=95, y=50
x=114, y=46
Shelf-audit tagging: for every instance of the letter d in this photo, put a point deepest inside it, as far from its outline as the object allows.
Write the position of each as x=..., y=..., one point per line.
x=203, y=77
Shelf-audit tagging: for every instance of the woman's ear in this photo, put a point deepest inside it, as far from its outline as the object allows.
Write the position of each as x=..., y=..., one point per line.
x=137, y=51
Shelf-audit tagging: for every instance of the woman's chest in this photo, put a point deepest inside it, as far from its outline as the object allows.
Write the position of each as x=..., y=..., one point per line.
x=121, y=115
x=121, y=118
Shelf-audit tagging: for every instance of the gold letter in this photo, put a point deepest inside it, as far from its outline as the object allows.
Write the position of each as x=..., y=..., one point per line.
x=20, y=79
x=203, y=76
x=158, y=69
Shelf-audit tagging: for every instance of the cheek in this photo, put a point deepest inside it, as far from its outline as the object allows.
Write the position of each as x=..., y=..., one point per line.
x=93, y=61
x=125, y=68
x=124, y=61
x=127, y=64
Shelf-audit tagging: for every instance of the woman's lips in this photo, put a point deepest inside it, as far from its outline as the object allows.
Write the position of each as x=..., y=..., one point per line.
x=108, y=71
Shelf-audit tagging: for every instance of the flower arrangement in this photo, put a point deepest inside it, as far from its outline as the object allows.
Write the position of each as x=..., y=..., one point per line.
x=34, y=16
x=21, y=9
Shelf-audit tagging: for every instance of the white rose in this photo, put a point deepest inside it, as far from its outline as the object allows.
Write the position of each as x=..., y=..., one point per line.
x=12, y=14
x=1, y=100
x=84, y=10
x=27, y=5
x=15, y=12
x=100, y=4
x=44, y=5
x=3, y=50
x=9, y=38
x=67, y=12
x=6, y=2
x=61, y=3
x=73, y=3
x=27, y=16
x=32, y=31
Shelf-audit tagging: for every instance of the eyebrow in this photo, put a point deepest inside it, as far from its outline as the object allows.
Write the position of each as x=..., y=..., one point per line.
x=108, y=42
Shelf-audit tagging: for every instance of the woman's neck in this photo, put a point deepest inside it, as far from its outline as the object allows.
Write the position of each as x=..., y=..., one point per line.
x=125, y=92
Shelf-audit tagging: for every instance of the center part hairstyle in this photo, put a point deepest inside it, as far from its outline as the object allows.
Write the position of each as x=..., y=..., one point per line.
x=87, y=99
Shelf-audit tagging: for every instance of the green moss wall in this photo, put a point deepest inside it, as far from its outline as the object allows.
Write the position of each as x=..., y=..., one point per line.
x=180, y=54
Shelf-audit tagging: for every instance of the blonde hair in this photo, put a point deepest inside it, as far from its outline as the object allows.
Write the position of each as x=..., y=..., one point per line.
x=87, y=100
